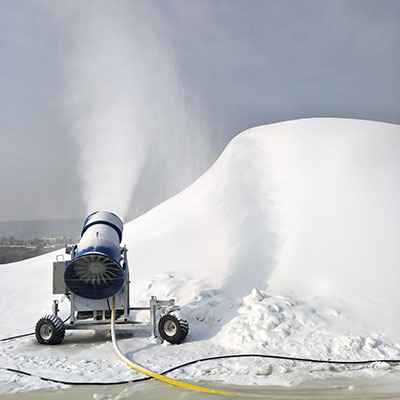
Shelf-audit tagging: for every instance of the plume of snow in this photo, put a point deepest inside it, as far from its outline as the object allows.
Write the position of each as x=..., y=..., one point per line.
x=126, y=105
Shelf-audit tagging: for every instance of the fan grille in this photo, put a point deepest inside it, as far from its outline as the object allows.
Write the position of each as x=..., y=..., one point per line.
x=96, y=270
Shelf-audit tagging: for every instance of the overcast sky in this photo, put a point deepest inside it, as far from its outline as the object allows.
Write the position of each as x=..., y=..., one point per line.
x=192, y=75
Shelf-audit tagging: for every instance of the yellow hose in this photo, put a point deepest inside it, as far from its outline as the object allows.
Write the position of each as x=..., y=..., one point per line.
x=163, y=378
x=151, y=373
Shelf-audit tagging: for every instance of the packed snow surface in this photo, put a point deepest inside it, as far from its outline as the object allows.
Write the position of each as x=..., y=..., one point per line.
x=287, y=245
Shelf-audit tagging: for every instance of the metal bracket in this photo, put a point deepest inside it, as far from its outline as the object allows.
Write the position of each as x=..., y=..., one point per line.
x=156, y=305
x=55, y=308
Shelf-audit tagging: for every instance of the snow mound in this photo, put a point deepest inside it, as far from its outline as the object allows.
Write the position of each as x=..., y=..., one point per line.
x=310, y=206
x=286, y=245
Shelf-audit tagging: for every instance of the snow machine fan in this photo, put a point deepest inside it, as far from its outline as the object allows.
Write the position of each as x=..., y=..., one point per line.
x=97, y=272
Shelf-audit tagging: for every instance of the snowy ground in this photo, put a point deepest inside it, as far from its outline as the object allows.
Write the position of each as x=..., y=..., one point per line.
x=286, y=246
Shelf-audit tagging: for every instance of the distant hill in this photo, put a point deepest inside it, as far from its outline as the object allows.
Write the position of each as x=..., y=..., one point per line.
x=40, y=228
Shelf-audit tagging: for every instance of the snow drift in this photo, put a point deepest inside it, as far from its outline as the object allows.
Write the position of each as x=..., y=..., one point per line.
x=286, y=245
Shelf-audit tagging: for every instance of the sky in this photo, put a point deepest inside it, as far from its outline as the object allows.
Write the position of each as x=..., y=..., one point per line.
x=122, y=104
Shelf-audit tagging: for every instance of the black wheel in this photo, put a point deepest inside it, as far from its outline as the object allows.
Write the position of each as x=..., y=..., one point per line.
x=50, y=330
x=172, y=328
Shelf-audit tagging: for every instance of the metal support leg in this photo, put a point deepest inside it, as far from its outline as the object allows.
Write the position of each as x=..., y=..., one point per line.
x=153, y=309
x=55, y=307
x=127, y=282
x=72, y=313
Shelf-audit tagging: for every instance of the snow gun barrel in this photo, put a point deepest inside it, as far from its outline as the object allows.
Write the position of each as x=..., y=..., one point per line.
x=95, y=270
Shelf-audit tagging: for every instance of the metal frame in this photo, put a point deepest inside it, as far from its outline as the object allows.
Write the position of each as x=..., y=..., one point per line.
x=155, y=305
x=99, y=322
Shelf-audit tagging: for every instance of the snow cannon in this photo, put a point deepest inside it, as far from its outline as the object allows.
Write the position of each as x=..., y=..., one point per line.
x=95, y=271
x=96, y=274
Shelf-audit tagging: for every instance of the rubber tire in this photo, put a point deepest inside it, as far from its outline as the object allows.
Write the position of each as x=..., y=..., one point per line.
x=56, y=330
x=181, y=328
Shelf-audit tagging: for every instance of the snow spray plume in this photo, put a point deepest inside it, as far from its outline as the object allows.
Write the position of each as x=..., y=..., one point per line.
x=126, y=106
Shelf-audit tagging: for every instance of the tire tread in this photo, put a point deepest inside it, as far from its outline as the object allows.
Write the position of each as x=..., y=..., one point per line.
x=183, y=328
x=58, y=331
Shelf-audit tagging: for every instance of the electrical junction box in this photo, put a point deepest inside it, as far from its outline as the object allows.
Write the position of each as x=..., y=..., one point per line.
x=58, y=277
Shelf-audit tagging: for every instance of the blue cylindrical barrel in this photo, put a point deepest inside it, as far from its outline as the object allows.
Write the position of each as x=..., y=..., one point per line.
x=95, y=271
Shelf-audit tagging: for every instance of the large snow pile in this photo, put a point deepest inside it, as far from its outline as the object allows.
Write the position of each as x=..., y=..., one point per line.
x=287, y=245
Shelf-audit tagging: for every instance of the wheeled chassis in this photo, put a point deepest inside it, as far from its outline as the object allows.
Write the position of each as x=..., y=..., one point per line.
x=155, y=305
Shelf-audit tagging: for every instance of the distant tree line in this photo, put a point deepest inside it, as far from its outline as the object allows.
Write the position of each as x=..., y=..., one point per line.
x=11, y=241
x=12, y=249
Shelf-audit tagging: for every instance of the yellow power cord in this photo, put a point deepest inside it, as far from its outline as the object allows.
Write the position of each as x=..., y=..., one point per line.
x=163, y=378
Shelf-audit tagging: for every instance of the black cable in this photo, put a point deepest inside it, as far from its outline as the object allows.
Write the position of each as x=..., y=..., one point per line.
x=43, y=378
x=24, y=334
x=16, y=337
x=361, y=362
x=270, y=356
x=278, y=358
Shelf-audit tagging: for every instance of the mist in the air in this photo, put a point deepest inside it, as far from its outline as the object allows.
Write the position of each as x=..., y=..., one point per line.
x=127, y=109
